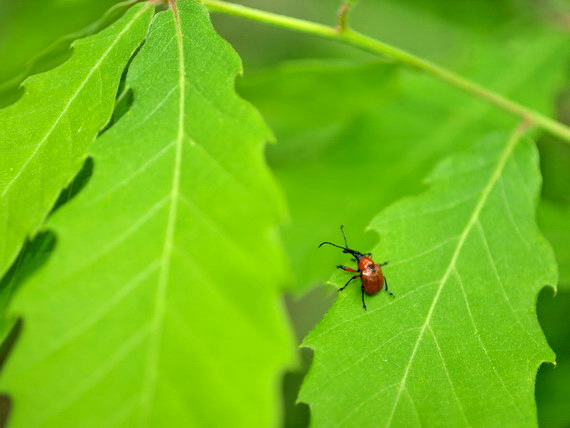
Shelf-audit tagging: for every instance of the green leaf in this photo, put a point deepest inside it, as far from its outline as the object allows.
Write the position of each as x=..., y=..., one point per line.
x=460, y=343
x=348, y=149
x=484, y=17
x=321, y=141
x=55, y=53
x=554, y=221
x=554, y=209
x=555, y=164
x=345, y=91
x=45, y=135
x=160, y=304
x=20, y=39
x=33, y=255
x=553, y=381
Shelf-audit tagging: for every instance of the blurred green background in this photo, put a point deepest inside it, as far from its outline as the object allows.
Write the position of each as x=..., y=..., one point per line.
x=378, y=130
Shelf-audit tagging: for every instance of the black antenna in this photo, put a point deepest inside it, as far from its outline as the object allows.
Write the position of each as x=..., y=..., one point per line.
x=334, y=245
x=343, y=235
x=357, y=254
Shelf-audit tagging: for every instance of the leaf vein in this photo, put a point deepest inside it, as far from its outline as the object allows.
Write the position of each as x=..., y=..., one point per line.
x=365, y=356
x=153, y=358
x=369, y=313
x=98, y=375
x=502, y=160
x=500, y=281
x=414, y=407
x=478, y=336
x=72, y=99
x=215, y=162
x=135, y=173
x=446, y=370
x=426, y=252
x=142, y=220
x=94, y=317
x=363, y=402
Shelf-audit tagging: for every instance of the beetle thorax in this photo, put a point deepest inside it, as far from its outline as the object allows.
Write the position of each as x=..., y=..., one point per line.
x=364, y=263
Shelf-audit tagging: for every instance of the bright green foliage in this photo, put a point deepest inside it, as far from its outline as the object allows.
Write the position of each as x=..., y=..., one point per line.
x=28, y=26
x=45, y=135
x=305, y=124
x=31, y=258
x=54, y=54
x=554, y=221
x=554, y=209
x=460, y=344
x=159, y=306
x=319, y=154
x=555, y=165
x=553, y=381
x=376, y=137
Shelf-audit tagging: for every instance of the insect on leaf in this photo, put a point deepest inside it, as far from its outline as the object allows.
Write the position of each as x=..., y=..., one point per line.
x=365, y=109
x=153, y=310
x=44, y=136
x=460, y=344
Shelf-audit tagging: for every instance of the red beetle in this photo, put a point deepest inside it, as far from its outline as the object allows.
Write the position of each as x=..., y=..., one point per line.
x=370, y=273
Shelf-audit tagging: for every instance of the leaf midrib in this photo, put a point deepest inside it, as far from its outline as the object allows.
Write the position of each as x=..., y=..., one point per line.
x=73, y=97
x=451, y=267
x=151, y=372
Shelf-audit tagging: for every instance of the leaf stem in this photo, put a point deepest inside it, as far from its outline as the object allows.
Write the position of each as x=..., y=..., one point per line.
x=361, y=41
x=343, y=12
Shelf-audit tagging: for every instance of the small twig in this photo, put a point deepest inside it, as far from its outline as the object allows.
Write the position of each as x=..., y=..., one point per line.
x=378, y=47
x=525, y=125
x=342, y=22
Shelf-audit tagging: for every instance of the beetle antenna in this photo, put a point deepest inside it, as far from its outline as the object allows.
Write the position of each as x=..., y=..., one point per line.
x=330, y=243
x=343, y=235
x=355, y=253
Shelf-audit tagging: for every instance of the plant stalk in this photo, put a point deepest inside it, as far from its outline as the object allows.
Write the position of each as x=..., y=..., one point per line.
x=361, y=41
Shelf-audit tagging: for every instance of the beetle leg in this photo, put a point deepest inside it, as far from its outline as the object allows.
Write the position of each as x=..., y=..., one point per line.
x=354, y=277
x=383, y=264
x=388, y=291
x=363, y=302
x=346, y=268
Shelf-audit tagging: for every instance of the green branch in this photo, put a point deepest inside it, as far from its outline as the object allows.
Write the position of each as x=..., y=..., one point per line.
x=361, y=41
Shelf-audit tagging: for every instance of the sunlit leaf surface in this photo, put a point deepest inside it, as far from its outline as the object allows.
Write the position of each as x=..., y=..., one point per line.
x=44, y=137
x=460, y=344
x=153, y=310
